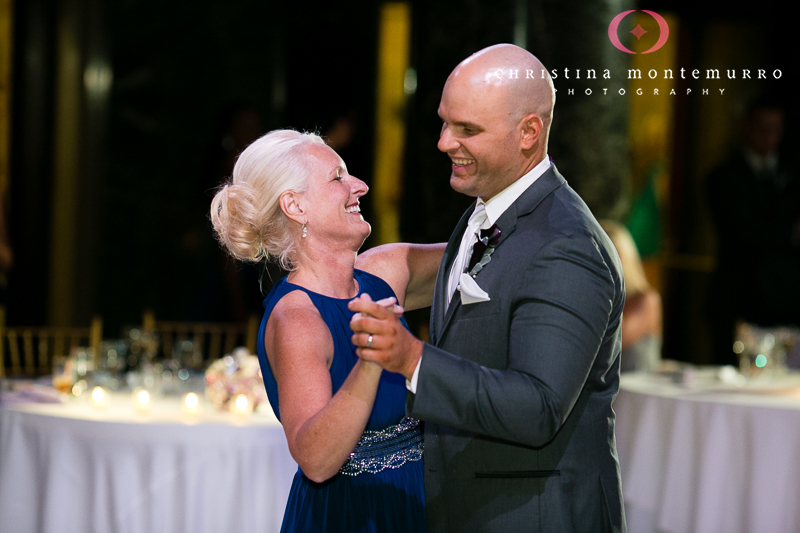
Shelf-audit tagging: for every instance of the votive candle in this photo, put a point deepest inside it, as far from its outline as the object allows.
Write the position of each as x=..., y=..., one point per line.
x=241, y=406
x=141, y=400
x=99, y=397
x=191, y=404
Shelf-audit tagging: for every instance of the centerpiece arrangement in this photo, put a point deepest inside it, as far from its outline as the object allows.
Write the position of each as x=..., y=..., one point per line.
x=235, y=376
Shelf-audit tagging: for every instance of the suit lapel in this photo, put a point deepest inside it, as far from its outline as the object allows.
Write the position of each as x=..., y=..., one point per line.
x=525, y=204
x=451, y=309
x=440, y=291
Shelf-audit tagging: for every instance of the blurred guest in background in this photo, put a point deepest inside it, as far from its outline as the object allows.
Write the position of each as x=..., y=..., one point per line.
x=755, y=202
x=229, y=290
x=642, y=314
x=339, y=135
x=292, y=199
x=243, y=126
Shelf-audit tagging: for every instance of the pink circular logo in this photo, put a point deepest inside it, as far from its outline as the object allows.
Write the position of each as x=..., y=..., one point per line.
x=663, y=28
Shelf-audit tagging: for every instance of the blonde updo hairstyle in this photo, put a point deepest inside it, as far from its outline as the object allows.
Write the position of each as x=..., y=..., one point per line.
x=246, y=212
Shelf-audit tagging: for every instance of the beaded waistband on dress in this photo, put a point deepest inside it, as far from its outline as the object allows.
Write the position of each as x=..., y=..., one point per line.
x=391, y=447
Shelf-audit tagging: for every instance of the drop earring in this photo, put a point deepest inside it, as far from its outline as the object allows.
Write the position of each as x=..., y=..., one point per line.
x=305, y=231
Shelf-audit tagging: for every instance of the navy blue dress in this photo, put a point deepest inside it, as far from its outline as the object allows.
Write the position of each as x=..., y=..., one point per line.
x=380, y=489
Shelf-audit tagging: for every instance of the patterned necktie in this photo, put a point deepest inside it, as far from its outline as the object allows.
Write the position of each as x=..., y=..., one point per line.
x=476, y=220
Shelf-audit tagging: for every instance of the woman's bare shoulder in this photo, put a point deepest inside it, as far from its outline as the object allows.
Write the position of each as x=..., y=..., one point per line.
x=390, y=263
x=295, y=323
x=382, y=260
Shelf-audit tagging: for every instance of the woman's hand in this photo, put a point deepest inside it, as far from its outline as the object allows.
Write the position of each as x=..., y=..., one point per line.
x=382, y=339
x=388, y=303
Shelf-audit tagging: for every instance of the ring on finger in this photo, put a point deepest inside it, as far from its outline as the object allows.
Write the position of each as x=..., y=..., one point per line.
x=369, y=341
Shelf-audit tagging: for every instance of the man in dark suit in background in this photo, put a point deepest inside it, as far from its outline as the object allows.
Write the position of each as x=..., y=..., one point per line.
x=517, y=382
x=755, y=202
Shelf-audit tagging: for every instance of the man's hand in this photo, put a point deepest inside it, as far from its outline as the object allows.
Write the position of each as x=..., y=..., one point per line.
x=381, y=337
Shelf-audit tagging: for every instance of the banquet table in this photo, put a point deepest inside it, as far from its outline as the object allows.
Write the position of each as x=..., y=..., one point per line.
x=76, y=467
x=709, y=456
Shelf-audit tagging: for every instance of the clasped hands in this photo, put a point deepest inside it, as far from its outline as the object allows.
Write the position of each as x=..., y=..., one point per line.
x=381, y=338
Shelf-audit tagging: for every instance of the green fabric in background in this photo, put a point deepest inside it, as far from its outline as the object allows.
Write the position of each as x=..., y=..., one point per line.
x=644, y=220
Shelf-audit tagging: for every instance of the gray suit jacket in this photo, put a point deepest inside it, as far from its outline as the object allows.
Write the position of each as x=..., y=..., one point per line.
x=516, y=392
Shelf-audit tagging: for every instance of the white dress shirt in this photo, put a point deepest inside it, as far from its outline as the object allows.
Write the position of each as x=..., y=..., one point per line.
x=495, y=207
x=478, y=221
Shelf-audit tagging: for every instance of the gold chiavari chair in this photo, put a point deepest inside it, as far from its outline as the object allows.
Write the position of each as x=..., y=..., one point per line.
x=211, y=340
x=29, y=351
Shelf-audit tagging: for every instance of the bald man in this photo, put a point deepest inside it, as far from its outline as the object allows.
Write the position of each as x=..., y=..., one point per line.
x=517, y=381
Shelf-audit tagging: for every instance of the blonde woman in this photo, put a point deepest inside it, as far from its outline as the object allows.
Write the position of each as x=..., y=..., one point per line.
x=642, y=314
x=292, y=199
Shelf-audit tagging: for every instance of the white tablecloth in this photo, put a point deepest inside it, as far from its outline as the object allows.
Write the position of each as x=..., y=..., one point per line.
x=712, y=458
x=74, y=468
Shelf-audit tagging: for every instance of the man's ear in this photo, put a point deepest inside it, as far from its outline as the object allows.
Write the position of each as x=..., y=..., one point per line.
x=292, y=206
x=532, y=127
